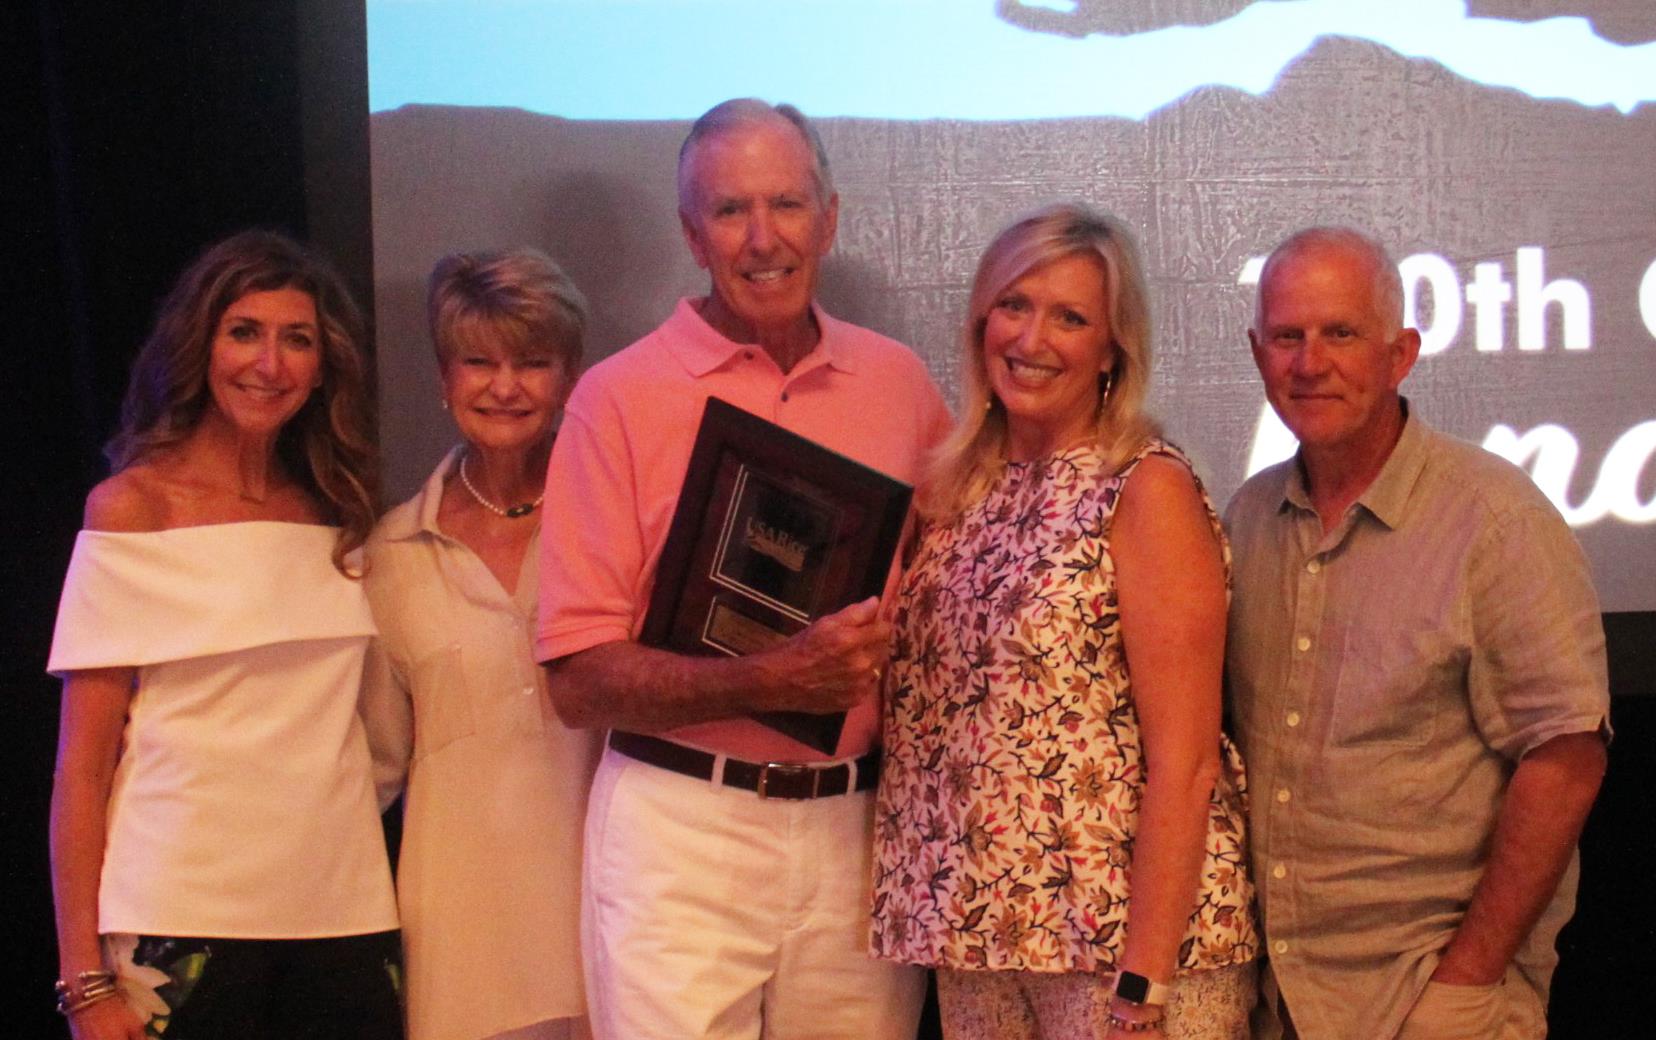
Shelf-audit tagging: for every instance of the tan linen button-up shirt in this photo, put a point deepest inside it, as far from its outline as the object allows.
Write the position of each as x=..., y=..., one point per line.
x=1384, y=680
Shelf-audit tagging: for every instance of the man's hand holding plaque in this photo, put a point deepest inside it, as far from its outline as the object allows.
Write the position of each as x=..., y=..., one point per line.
x=831, y=664
x=777, y=553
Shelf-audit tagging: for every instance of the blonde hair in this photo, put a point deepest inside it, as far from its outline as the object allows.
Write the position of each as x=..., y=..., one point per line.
x=518, y=298
x=973, y=456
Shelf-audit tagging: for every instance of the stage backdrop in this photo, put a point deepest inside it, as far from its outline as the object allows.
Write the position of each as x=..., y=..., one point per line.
x=1502, y=147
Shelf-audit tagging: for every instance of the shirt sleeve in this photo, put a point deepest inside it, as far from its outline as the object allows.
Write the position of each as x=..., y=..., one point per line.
x=387, y=714
x=384, y=703
x=1538, y=666
x=592, y=548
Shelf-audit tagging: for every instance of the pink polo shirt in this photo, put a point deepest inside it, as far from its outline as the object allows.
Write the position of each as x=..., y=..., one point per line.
x=621, y=454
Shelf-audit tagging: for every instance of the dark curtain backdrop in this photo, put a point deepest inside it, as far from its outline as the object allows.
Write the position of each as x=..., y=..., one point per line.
x=141, y=132
x=137, y=133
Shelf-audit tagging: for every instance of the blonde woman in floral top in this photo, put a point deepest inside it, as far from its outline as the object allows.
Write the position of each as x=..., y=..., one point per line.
x=1060, y=822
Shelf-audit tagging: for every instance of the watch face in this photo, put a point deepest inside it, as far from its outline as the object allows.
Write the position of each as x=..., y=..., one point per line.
x=1132, y=987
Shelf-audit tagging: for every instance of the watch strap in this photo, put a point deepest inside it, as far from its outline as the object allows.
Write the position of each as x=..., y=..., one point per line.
x=1137, y=989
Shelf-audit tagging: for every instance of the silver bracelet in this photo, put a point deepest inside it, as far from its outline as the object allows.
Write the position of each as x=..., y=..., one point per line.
x=87, y=988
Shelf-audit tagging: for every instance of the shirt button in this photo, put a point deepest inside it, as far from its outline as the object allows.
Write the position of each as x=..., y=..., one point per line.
x=1293, y=719
x=1280, y=946
x=1282, y=794
x=1279, y=871
x=1303, y=643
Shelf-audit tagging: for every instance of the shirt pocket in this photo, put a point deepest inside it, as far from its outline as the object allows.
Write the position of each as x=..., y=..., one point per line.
x=1395, y=677
x=442, y=709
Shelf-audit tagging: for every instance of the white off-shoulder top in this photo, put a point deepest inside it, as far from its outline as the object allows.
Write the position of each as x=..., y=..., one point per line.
x=243, y=804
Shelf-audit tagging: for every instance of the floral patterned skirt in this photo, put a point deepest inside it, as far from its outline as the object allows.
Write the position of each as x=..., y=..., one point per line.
x=1024, y=1005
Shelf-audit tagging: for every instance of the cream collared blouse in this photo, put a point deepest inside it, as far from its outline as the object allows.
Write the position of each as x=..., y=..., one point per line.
x=490, y=867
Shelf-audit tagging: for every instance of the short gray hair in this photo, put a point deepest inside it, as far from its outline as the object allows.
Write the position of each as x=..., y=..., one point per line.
x=1388, y=284
x=741, y=112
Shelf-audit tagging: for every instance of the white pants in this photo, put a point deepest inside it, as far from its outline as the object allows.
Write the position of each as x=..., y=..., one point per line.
x=710, y=912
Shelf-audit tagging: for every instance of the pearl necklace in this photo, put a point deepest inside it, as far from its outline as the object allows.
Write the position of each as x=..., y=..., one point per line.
x=510, y=512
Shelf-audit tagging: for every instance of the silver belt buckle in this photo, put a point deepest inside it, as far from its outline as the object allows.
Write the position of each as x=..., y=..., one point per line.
x=789, y=769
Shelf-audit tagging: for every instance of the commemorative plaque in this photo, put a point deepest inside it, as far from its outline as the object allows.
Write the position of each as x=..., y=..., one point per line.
x=772, y=531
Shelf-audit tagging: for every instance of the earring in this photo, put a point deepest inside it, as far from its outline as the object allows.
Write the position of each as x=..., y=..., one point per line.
x=1106, y=380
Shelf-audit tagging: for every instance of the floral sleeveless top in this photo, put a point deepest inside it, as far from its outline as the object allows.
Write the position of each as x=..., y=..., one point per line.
x=1013, y=769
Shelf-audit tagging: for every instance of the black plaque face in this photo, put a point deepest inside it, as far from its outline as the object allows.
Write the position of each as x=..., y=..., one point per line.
x=772, y=531
x=776, y=544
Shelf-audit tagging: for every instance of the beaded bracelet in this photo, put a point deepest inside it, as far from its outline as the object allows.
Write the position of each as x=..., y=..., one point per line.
x=1127, y=1025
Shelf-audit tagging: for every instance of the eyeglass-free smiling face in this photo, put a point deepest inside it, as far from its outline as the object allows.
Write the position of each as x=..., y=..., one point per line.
x=1331, y=362
x=1046, y=339
x=755, y=222
x=266, y=359
x=501, y=399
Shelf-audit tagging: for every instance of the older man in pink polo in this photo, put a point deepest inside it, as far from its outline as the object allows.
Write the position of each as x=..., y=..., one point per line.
x=712, y=908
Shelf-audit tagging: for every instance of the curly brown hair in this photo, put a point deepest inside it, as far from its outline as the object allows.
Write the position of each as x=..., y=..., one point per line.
x=328, y=446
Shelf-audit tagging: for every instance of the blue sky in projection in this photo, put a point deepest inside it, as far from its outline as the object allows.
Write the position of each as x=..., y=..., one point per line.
x=933, y=59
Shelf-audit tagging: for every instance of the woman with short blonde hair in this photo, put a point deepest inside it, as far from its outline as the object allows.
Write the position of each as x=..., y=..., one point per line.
x=489, y=875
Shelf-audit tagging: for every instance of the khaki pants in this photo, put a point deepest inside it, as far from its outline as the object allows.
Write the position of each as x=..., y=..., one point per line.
x=1507, y=1010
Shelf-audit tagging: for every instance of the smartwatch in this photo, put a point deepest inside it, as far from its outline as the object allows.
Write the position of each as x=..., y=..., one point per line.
x=1136, y=989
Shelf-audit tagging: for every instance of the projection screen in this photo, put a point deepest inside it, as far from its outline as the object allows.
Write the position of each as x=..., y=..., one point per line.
x=1502, y=149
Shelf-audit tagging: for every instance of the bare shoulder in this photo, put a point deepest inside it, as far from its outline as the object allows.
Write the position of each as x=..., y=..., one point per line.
x=1162, y=514
x=1160, y=483
x=129, y=501
x=1166, y=545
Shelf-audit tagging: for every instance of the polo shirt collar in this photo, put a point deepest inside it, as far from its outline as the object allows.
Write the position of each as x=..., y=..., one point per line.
x=1388, y=494
x=406, y=524
x=701, y=348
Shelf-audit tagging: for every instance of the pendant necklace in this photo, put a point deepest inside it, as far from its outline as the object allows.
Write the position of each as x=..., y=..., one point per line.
x=510, y=512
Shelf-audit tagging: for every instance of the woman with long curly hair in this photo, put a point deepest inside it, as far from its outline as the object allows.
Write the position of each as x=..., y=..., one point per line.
x=217, y=862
